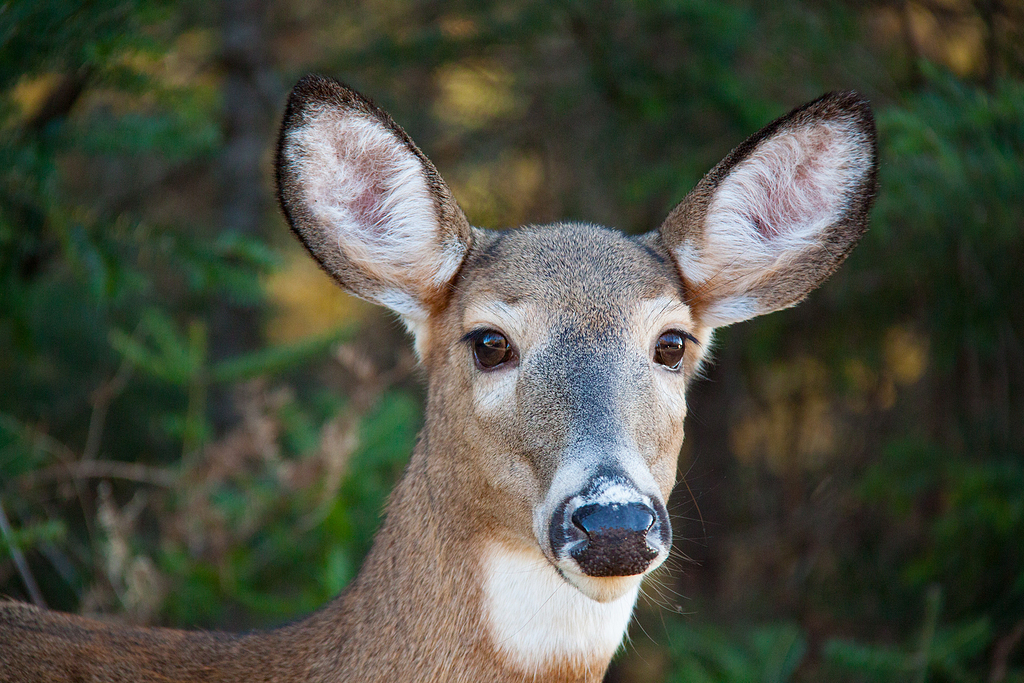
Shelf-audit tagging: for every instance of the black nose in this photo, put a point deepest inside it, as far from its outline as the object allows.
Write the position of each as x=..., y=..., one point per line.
x=616, y=543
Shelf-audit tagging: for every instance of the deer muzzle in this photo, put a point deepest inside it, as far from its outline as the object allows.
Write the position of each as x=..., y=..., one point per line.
x=616, y=539
x=610, y=528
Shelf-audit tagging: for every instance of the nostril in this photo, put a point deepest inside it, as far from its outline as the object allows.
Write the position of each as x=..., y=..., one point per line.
x=577, y=519
x=596, y=519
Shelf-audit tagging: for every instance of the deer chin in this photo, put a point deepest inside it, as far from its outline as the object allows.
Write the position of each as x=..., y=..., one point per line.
x=602, y=588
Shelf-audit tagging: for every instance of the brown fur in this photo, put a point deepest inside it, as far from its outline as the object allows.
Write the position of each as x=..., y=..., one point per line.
x=415, y=611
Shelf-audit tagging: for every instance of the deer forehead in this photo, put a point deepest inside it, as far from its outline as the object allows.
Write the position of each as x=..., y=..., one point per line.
x=580, y=279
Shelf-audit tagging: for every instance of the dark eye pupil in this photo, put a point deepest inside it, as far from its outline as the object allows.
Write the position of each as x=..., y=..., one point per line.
x=669, y=350
x=491, y=349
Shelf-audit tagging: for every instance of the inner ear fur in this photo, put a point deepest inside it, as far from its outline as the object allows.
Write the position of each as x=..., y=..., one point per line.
x=779, y=214
x=365, y=201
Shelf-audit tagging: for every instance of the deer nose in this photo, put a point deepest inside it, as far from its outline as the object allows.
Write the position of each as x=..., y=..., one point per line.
x=616, y=538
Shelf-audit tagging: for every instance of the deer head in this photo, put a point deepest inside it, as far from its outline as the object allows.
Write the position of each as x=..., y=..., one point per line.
x=558, y=357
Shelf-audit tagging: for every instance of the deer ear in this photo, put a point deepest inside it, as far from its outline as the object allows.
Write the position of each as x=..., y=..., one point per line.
x=779, y=214
x=366, y=202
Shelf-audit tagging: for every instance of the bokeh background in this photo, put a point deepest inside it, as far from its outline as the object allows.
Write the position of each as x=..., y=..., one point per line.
x=198, y=430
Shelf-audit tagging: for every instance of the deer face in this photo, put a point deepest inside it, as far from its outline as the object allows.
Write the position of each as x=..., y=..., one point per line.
x=573, y=345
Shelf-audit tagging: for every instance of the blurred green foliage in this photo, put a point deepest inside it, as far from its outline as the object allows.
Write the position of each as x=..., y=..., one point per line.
x=707, y=654
x=860, y=461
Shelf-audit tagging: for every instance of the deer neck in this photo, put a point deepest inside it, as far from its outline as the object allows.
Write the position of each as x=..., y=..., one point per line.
x=437, y=590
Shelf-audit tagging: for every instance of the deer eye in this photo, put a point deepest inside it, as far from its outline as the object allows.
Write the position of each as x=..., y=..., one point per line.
x=670, y=348
x=491, y=349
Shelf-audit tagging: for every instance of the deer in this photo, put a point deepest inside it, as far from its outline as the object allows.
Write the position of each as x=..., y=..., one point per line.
x=557, y=360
